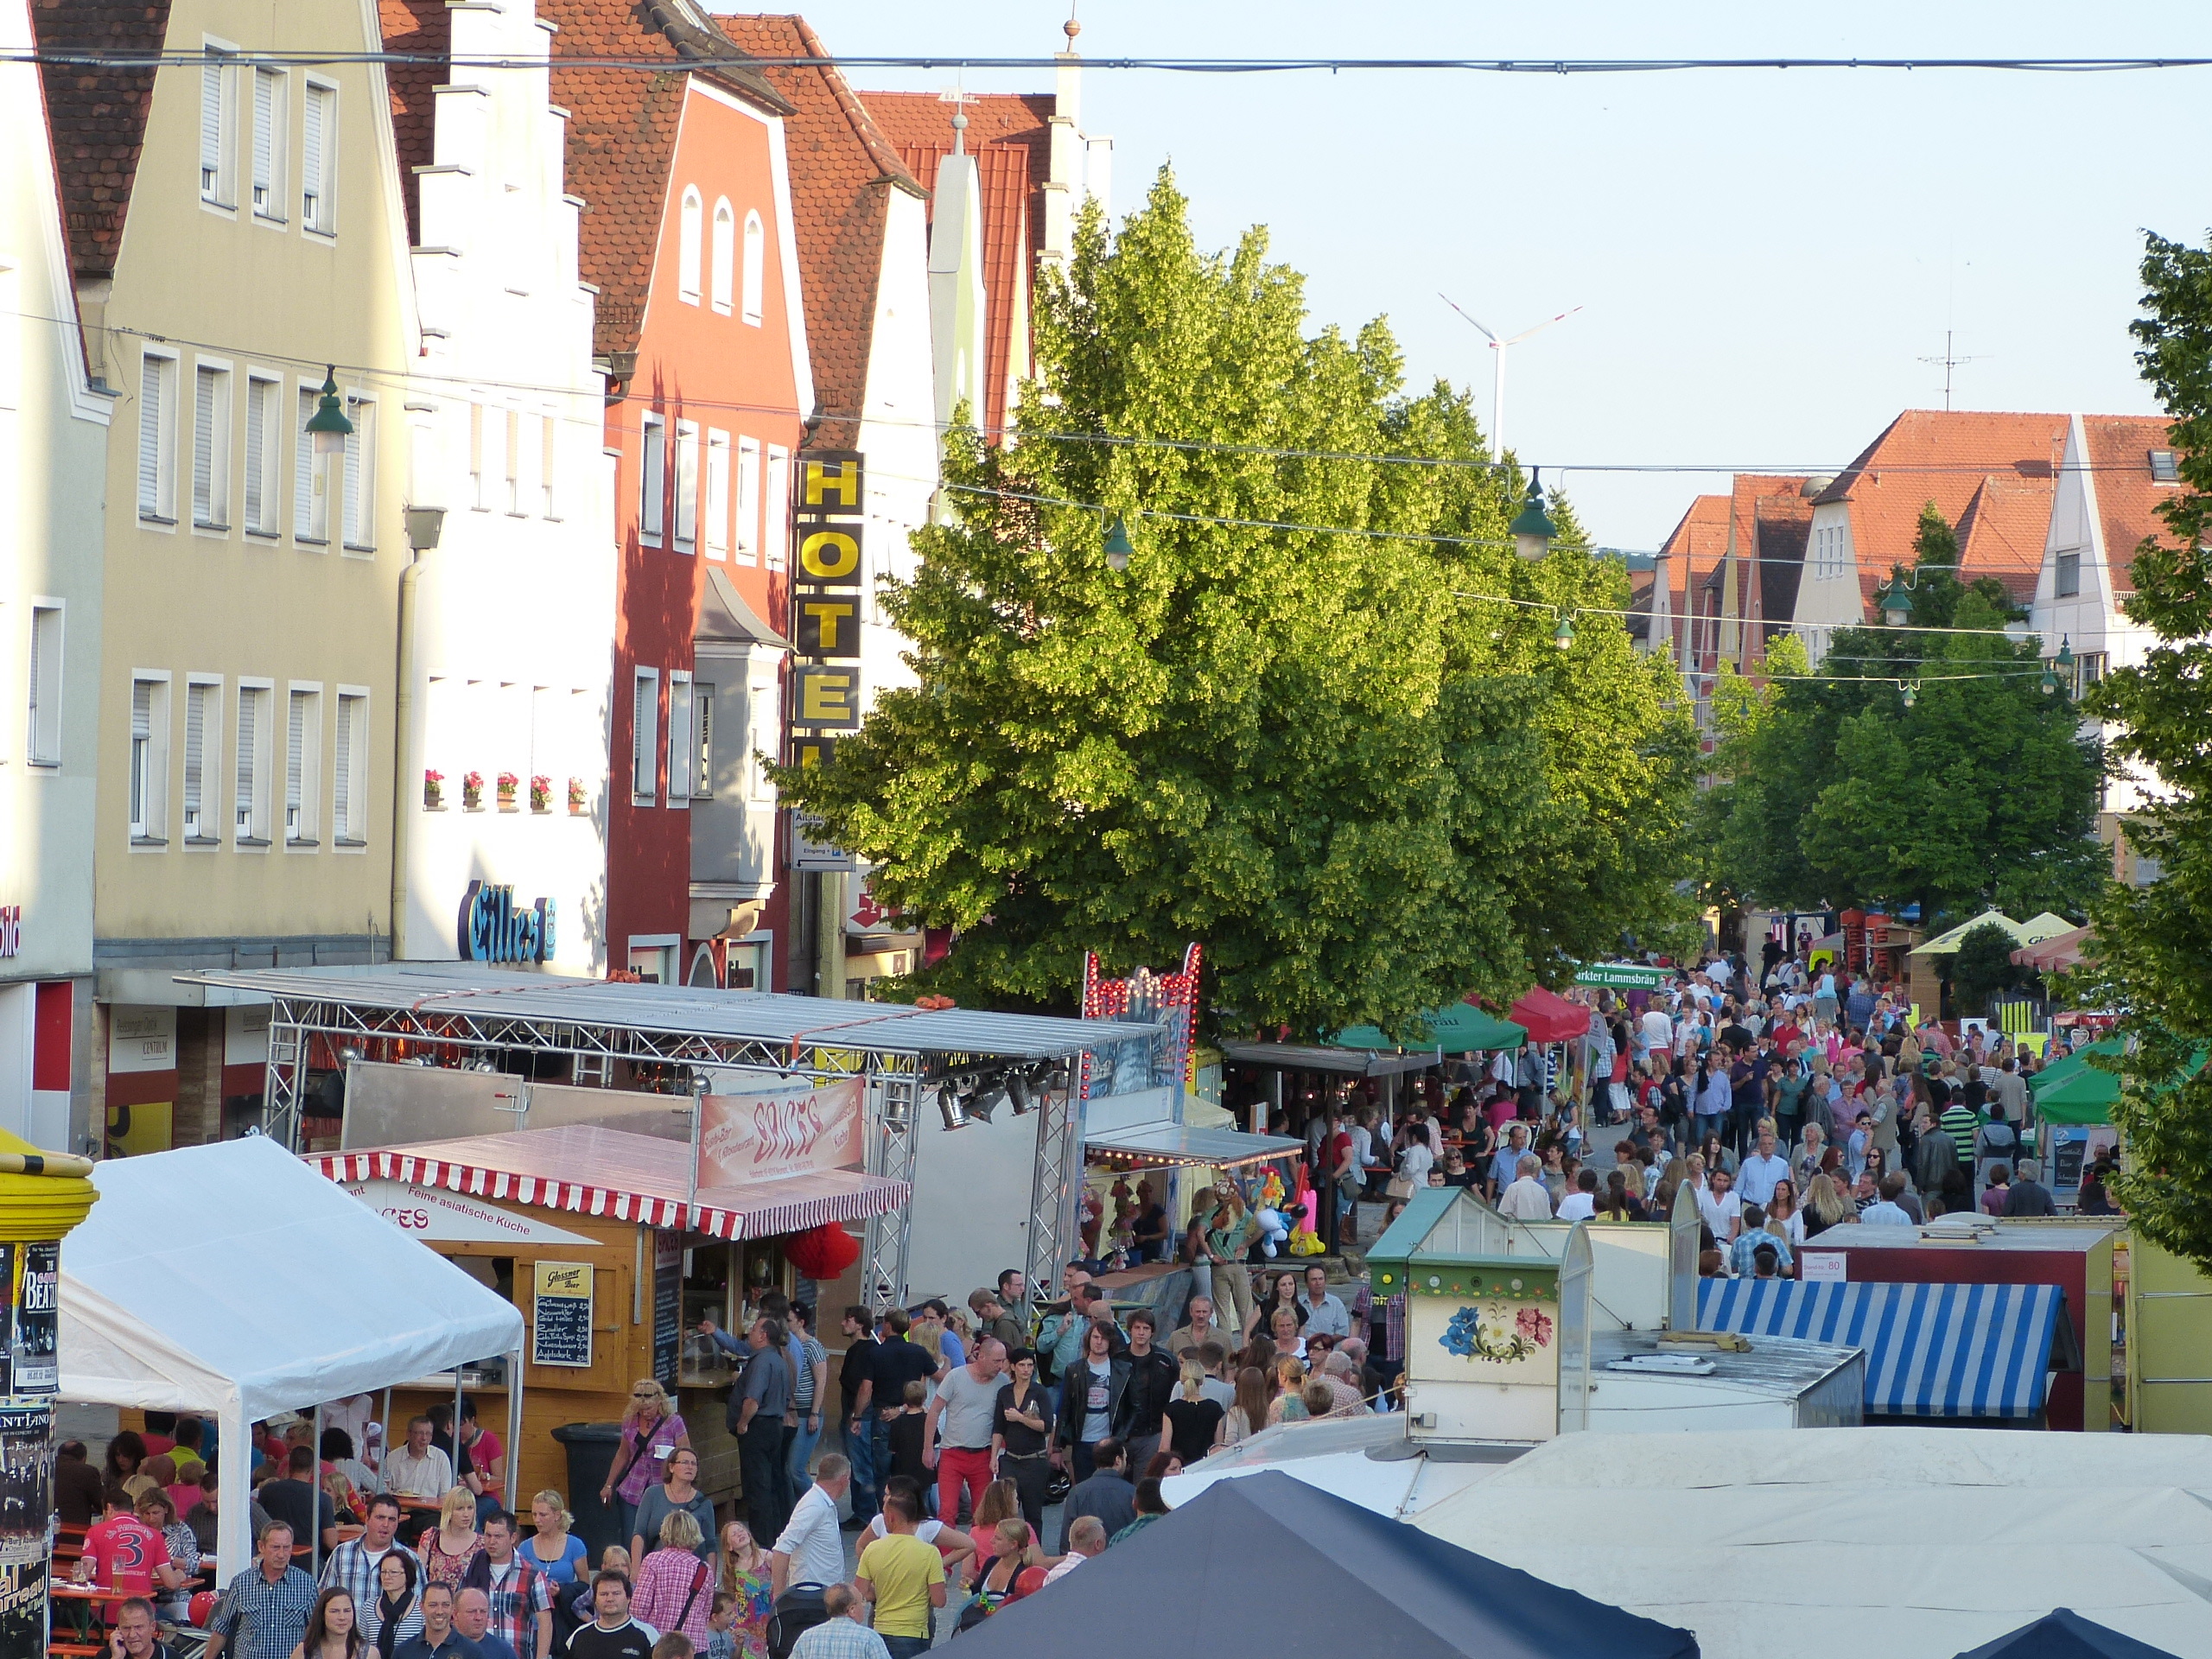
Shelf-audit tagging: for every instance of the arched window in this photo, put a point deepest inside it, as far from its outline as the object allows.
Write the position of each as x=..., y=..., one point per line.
x=725, y=253
x=687, y=248
x=753, y=254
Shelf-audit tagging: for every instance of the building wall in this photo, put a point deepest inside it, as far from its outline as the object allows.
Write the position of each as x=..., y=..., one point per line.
x=513, y=613
x=704, y=370
x=53, y=450
x=1828, y=595
x=246, y=294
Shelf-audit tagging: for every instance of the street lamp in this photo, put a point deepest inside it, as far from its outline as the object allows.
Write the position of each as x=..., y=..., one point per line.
x=1893, y=603
x=2062, y=665
x=1911, y=696
x=329, y=426
x=1563, y=635
x=1533, y=530
x=1117, y=545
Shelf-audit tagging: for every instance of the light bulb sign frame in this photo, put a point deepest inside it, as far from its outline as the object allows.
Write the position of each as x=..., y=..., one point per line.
x=830, y=530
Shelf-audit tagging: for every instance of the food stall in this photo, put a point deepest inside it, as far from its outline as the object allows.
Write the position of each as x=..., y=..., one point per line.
x=619, y=1159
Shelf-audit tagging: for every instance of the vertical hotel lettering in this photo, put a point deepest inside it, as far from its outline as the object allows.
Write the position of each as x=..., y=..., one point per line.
x=829, y=521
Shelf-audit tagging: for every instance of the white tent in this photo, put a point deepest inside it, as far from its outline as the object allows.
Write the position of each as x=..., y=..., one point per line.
x=1909, y=1542
x=234, y=1282
x=1364, y=1460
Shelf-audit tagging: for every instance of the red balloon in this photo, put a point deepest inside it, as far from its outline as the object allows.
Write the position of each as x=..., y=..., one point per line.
x=1028, y=1582
x=202, y=1608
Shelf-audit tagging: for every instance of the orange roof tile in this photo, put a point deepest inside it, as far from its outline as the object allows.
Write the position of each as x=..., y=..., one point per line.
x=2003, y=530
x=842, y=171
x=2128, y=499
x=96, y=116
x=622, y=129
x=1939, y=455
x=1010, y=136
x=420, y=28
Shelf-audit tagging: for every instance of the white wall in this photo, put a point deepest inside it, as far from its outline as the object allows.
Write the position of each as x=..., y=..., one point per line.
x=896, y=435
x=1827, y=601
x=970, y=1220
x=515, y=610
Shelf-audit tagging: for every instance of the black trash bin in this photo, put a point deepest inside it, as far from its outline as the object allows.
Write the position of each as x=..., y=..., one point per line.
x=591, y=1459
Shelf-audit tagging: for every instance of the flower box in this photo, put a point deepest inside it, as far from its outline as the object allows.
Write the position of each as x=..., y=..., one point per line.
x=433, y=791
x=510, y=786
x=541, y=793
x=471, y=791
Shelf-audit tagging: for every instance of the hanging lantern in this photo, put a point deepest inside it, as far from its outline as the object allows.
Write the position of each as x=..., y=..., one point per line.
x=822, y=1252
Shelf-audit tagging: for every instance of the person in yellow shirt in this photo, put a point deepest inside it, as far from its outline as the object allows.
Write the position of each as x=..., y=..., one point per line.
x=904, y=1578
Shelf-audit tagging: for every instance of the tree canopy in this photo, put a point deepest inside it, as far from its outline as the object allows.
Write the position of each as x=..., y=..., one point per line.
x=2154, y=943
x=1977, y=790
x=1290, y=728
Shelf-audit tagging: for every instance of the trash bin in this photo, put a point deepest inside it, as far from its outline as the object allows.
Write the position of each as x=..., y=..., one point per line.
x=591, y=1459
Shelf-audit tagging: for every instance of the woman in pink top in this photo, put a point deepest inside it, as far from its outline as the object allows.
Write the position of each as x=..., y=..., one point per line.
x=1001, y=1501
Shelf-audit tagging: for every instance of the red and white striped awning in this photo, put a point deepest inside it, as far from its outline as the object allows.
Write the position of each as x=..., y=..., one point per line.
x=590, y=1170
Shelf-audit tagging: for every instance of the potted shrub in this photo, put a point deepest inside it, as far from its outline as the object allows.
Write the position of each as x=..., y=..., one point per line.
x=434, y=790
x=541, y=793
x=579, y=798
x=471, y=791
x=509, y=784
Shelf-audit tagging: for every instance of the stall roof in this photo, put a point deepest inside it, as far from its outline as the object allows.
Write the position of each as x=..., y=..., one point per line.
x=1932, y=1351
x=593, y=1171
x=1459, y=1028
x=1315, y=1057
x=1549, y=1017
x=2061, y=1633
x=1179, y=1143
x=743, y=1016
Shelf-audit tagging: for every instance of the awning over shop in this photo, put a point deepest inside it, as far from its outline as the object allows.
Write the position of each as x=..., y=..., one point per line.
x=2072, y=1091
x=2068, y=1065
x=1181, y=1144
x=591, y=1171
x=2057, y=953
x=1550, y=1018
x=1932, y=1351
x=2038, y=928
x=1320, y=1057
x=1459, y=1028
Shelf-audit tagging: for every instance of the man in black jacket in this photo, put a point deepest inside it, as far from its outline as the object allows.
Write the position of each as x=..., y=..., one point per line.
x=1092, y=1386
x=1139, y=1419
x=1106, y=1496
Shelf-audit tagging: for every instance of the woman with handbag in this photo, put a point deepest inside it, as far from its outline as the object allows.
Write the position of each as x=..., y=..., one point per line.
x=675, y=1588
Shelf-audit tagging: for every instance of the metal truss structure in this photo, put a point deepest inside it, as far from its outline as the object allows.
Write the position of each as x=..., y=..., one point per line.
x=1058, y=1171
x=893, y=1142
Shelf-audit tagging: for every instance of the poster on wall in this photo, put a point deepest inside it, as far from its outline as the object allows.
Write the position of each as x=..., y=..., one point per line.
x=560, y=1331
x=26, y=1509
x=36, y=1282
x=785, y=1128
x=142, y=1080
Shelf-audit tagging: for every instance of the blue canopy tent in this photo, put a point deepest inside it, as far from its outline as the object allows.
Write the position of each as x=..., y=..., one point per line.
x=2063, y=1633
x=1932, y=1351
x=1345, y=1579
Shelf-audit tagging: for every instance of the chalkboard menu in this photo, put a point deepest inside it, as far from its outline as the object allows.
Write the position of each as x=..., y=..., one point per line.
x=668, y=1307
x=560, y=1321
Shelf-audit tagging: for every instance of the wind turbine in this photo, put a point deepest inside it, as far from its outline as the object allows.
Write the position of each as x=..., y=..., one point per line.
x=1497, y=383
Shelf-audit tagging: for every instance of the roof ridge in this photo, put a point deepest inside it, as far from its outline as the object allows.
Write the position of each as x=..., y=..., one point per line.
x=880, y=148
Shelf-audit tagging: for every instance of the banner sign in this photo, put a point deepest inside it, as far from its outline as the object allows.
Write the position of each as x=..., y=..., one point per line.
x=830, y=526
x=1623, y=976
x=785, y=1128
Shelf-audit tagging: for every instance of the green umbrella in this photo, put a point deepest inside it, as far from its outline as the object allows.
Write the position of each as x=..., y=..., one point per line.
x=2070, y=1066
x=1455, y=1029
x=2084, y=1096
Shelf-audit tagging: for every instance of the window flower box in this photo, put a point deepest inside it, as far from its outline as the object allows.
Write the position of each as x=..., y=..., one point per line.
x=510, y=786
x=433, y=791
x=471, y=791
x=541, y=793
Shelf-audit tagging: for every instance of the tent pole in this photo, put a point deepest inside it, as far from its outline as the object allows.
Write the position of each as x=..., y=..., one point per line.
x=514, y=1428
x=314, y=1504
x=456, y=1423
x=234, y=1511
x=384, y=1427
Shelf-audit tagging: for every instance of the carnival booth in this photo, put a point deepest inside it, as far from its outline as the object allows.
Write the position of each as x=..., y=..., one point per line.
x=622, y=1161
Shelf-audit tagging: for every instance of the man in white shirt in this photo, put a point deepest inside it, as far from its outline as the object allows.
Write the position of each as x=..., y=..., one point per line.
x=1526, y=1199
x=1888, y=1212
x=1722, y=1210
x=1086, y=1538
x=811, y=1550
x=1658, y=1030
x=1756, y=1178
x=418, y=1469
x=1581, y=1204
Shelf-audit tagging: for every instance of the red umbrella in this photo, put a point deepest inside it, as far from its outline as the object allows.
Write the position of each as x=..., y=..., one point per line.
x=1549, y=1017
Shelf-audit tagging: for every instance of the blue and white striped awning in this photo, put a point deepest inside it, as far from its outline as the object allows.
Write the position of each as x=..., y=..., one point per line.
x=1932, y=1351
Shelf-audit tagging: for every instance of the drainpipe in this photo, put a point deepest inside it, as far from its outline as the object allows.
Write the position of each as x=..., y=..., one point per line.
x=424, y=525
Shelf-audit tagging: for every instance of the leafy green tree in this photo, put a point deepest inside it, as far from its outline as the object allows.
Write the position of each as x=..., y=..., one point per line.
x=2154, y=943
x=1984, y=966
x=1365, y=790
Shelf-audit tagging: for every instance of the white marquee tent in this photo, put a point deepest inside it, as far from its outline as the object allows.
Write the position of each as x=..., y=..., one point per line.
x=1835, y=1543
x=234, y=1282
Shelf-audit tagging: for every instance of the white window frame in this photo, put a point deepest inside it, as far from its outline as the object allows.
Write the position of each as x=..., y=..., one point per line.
x=270, y=144
x=146, y=762
x=748, y=499
x=357, y=495
x=349, y=750
x=2066, y=574
x=548, y=461
x=513, y=460
x=755, y=265
x=249, y=806
x=211, y=450
x=687, y=246
x=478, y=501
x=264, y=393
x=219, y=147
x=714, y=502
x=303, y=759
x=319, y=185
x=687, y=485
x=681, y=738
x=776, y=500
x=310, y=473
x=722, y=274
x=653, y=479
x=702, y=726
x=202, y=815
x=644, y=736
x=45, y=650
x=160, y=510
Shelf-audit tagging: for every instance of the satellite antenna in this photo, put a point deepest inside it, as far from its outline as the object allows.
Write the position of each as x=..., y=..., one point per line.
x=1497, y=381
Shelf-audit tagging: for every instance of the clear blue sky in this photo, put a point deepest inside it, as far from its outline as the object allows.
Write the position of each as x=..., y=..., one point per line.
x=1763, y=256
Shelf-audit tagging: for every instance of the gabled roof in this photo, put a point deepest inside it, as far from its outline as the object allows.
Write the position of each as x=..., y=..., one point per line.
x=1009, y=134
x=96, y=117
x=2003, y=530
x=1939, y=455
x=622, y=125
x=842, y=169
x=2128, y=499
x=726, y=620
x=1781, y=547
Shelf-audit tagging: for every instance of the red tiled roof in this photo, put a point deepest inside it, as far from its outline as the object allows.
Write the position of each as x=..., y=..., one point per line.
x=1693, y=549
x=622, y=136
x=2127, y=498
x=841, y=170
x=1009, y=134
x=1939, y=455
x=414, y=27
x=2003, y=530
x=96, y=117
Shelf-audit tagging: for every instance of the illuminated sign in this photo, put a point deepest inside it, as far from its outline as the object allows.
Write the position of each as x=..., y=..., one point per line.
x=493, y=930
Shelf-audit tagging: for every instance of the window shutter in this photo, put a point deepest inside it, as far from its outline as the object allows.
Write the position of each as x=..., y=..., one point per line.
x=303, y=469
x=687, y=485
x=153, y=390
x=257, y=453
x=342, y=796
x=203, y=447
x=294, y=758
x=679, y=740
x=311, y=158
x=142, y=709
x=352, y=525
x=264, y=144
x=653, y=478
x=38, y=676
x=644, y=727
x=210, y=130
x=195, y=742
x=249, y=737
x=702, y=716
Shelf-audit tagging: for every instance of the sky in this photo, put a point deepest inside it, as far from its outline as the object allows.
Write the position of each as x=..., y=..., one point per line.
x=1763, y=259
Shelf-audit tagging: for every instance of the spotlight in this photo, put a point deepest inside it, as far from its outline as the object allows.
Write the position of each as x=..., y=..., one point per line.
x=1017, y=1091
x=986, y=1098
x=948, y=1105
